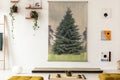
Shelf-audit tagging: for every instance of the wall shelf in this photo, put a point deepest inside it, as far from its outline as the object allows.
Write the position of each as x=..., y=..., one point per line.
x=28, y=18
x=14, y=1
x=33, y=7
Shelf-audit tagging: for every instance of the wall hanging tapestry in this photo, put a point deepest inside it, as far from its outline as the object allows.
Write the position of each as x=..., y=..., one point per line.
x=67, y=31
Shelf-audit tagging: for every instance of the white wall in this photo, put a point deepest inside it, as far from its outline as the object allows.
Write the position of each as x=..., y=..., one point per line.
x=29, y=49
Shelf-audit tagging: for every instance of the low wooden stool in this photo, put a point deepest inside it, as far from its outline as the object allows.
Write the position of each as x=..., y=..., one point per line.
x=26, y=78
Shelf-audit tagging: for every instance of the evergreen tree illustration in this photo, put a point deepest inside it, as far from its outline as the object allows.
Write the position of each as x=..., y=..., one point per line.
x=67, y=36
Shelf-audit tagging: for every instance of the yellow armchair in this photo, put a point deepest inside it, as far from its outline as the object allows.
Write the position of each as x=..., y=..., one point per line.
x=109, y=76
x=26, y=78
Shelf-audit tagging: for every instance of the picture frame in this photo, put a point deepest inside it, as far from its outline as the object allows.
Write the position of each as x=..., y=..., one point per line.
x=37, y=3
x=106, y=35
x=69, y=20
x=106, y=13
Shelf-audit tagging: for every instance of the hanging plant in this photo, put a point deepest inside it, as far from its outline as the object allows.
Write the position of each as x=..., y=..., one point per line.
x=13, y=9
x=34, y=15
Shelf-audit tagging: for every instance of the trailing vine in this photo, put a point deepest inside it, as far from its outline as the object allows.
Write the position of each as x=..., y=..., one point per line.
x=13, y=9
x=34, y=15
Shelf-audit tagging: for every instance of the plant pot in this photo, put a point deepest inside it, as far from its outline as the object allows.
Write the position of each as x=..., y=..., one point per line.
x=14, y=8
x=68, y=73
x=31, y=14
x=34, y=14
